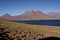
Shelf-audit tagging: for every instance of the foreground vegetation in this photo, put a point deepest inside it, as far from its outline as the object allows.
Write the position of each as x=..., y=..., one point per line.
x=20, y=31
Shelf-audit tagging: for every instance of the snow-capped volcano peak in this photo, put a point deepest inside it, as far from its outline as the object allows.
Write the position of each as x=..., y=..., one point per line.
x=33, y=10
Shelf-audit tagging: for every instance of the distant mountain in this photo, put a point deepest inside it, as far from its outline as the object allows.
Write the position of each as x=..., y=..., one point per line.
x=54, y=14
x=32, y=14
x=5, y=16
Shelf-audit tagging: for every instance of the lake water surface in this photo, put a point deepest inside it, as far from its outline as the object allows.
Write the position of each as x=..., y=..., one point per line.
x=39, y=22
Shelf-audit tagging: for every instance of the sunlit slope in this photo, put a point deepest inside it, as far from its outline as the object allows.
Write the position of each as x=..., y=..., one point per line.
x=28, y=31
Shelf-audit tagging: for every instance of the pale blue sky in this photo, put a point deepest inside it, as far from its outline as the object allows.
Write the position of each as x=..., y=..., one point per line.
x=17, y=7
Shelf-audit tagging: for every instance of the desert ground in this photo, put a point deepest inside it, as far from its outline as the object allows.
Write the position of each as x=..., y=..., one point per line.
x=21, y=31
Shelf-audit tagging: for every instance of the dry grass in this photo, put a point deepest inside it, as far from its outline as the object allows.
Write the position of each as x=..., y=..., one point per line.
x=20, y=31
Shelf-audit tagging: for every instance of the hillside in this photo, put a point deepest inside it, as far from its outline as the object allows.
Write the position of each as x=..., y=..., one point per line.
x=13, y=30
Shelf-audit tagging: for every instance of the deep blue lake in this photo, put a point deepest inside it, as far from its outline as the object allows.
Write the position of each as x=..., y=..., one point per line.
x=39, y=22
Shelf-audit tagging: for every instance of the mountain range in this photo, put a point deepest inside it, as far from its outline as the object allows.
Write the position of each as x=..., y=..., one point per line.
x=32, y=14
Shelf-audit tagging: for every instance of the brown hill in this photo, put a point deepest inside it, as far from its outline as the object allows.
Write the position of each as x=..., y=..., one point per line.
x=5, y=16
x=54, y=15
